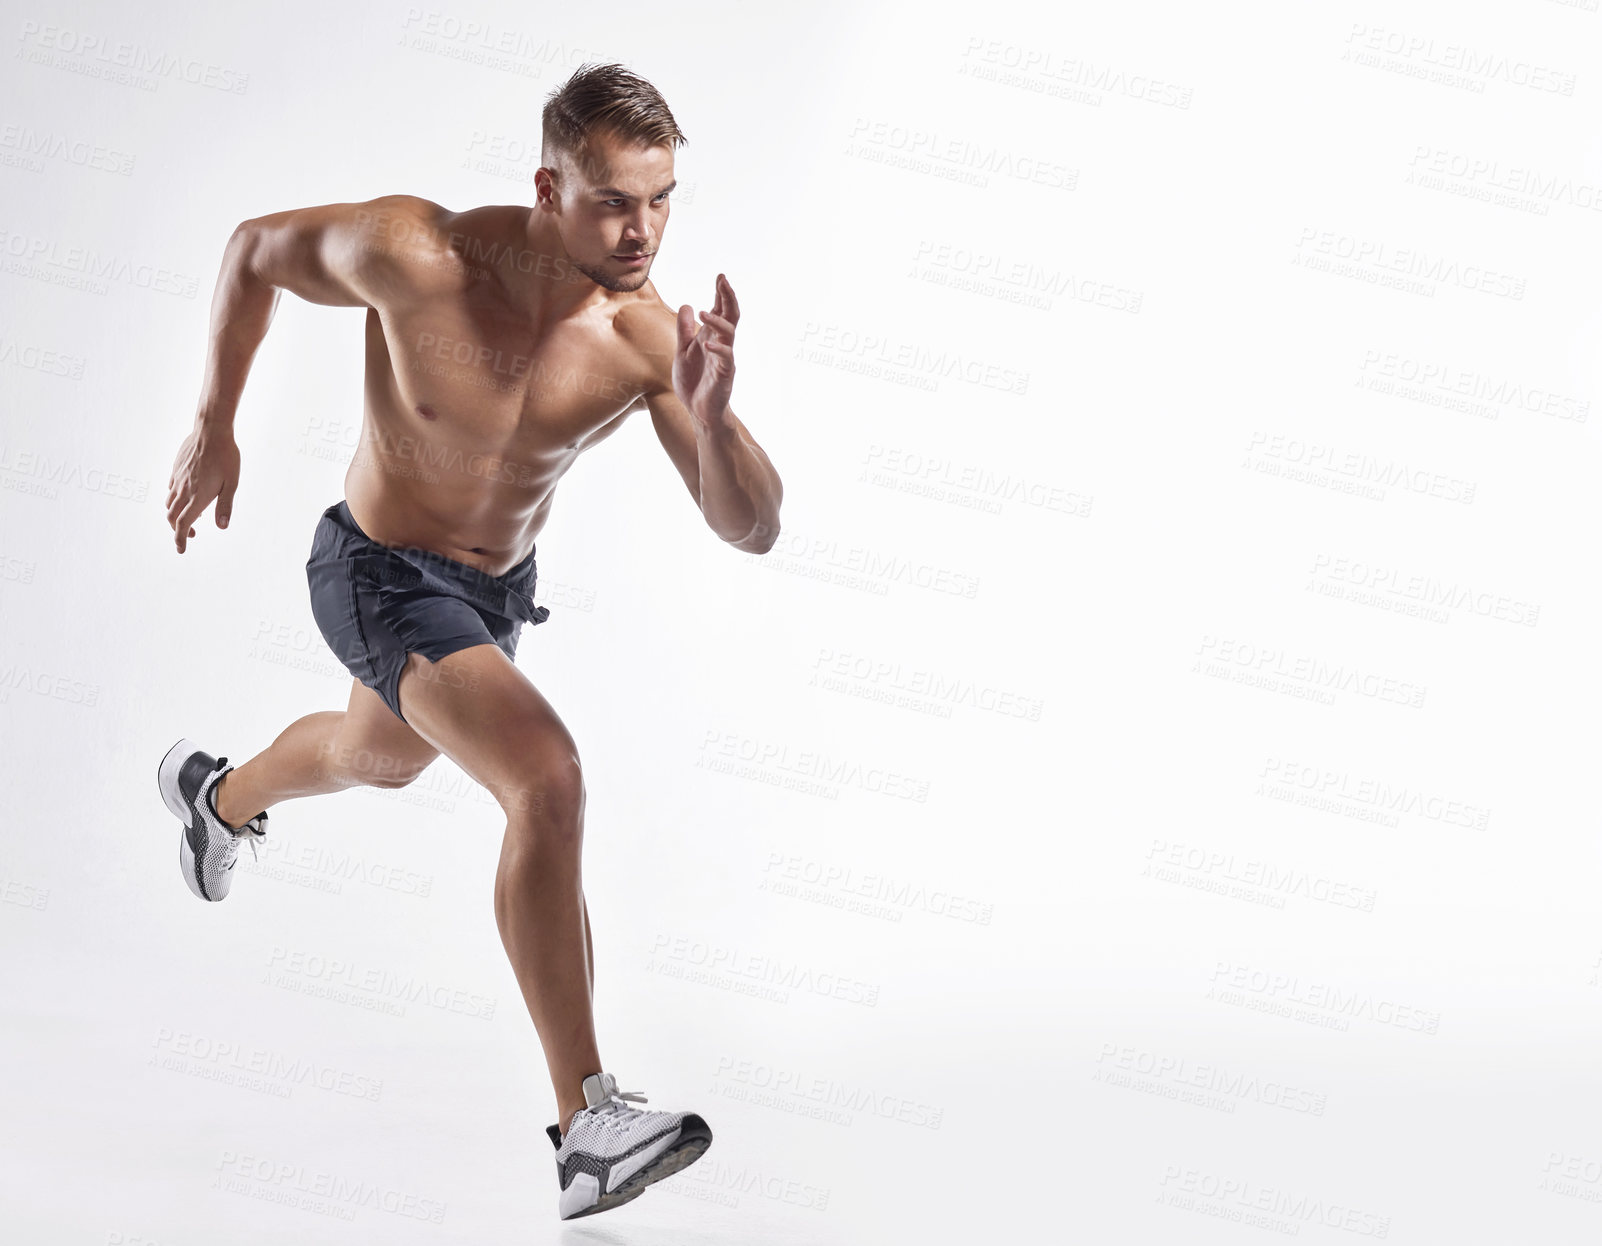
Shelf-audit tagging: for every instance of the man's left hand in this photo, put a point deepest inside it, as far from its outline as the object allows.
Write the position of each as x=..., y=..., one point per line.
x=703, y=365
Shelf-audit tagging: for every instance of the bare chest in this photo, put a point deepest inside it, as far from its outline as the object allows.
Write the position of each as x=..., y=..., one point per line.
x=482, y=381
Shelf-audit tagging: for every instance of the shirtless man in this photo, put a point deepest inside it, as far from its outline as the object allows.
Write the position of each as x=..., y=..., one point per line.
x=501, y=343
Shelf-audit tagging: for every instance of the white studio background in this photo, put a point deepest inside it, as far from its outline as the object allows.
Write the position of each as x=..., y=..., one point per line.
x=1145, y=795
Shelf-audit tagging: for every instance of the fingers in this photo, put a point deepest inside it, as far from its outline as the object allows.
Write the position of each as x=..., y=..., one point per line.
x=186, y=519
x=687, y=329
x=725, y=326
x=225, y=503
x=731, y=305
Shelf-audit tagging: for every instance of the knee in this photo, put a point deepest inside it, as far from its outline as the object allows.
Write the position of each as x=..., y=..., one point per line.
x=549, y=791
x=396, y=776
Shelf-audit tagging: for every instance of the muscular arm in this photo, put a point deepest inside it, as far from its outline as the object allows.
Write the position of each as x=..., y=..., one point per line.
x=339, y=255
x=727, y=473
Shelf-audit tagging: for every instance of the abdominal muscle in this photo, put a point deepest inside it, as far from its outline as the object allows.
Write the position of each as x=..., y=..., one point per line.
x=484, y=510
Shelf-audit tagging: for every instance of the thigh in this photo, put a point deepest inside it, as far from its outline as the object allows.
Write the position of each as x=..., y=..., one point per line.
x=481, y=711
x=377, y=746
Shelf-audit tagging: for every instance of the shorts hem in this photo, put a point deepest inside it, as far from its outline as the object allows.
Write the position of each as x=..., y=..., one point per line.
x=434, y=651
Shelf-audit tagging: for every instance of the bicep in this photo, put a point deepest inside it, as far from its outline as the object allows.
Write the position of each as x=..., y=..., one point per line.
x=338, y=254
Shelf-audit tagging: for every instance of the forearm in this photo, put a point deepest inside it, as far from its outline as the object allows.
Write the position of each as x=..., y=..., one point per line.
x=740, y=490
x=241, y=309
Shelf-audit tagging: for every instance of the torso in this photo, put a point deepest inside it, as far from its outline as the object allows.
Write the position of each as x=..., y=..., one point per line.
x=473, y=412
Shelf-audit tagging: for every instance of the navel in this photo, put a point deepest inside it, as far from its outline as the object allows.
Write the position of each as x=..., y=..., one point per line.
x=426, y=411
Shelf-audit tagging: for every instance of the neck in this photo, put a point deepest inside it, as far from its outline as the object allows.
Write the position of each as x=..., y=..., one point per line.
x=543, y=280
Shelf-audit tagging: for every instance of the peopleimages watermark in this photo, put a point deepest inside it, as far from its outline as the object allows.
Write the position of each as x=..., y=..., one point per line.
x=790, y=1090
x=1049, y=72
x=29, y=255
x=317, y=1189
x=932, y=469
x=820, y=878
x=883, y=680
x=382, y=989
x=23, y=895
x=714, y=1181
x=1318, y=1003
x=1199, y=1082
x=1271, y=667
x=1360, y=467
x=825, y=342
x=1519, y=187
x=1575, y=1176
x=1450, y=63
x=739, y=750
x=1323, y=787
x=42, y=683
x=1243, y=1200
x=40, y=359
x=131, y=64
x=767, y=977
x=251, y=1067
x=1455, y=387
x=40, y=473
x=1215, y=869
x=1376, y=580
x=33, y=147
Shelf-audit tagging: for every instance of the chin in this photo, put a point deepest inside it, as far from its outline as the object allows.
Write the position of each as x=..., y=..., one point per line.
x=621, y=283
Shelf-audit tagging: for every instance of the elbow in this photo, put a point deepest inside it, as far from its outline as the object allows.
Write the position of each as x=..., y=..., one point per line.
x=240, y=251
x=765, y=535
x=760, y=539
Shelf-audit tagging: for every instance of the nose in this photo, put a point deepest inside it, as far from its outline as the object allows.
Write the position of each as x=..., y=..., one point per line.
x=636, y=231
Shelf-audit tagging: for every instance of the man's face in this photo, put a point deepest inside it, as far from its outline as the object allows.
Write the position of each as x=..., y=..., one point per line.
x=612, y=206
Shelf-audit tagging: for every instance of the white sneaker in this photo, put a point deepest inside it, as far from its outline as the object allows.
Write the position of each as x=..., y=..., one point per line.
x=612, y=1151
x=208, y=846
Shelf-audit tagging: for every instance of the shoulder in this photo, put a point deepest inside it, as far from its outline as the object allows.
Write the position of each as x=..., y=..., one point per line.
x=649, y=329
x=440, y=248
x=407, y=223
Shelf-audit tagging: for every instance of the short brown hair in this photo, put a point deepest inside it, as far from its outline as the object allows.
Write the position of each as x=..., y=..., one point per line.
x=605, y=98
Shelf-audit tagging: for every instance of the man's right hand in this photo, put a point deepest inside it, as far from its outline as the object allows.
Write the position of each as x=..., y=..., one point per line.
x=207, y=467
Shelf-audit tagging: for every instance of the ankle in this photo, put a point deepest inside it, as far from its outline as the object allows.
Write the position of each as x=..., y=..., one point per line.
x=568, y=1106
x=221, y=805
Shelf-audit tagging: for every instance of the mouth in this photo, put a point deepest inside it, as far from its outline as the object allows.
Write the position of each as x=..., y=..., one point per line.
x=634, y=260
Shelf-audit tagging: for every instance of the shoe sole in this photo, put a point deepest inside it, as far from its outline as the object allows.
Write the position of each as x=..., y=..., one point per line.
x=172, y=796
x=688, y=1149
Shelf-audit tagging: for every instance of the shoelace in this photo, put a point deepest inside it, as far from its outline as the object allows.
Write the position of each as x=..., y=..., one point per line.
x=253, y=828
x=254, y=832
x=616, y=1114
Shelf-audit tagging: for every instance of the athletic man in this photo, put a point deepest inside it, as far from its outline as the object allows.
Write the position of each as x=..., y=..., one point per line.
x=501, y=342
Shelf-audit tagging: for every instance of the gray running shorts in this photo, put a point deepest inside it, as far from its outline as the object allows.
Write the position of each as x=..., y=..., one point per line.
x=375, y=604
